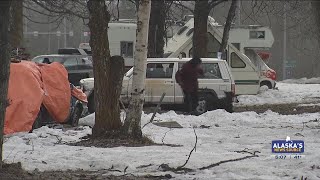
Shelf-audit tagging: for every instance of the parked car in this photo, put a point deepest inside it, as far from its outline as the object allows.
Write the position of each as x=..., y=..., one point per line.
x=216, y=87
x=78, y=66
x=73, y=51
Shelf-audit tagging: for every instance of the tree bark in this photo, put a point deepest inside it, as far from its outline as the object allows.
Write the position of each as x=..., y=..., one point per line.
x=16, y=24
x=200, y=38
x=315, y=8
x=156, y=29
x=5, y=66
x=106, y=70
x=133, y=120
x=227, y=26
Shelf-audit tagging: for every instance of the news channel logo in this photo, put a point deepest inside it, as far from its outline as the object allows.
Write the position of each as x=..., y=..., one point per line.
x=287, y=149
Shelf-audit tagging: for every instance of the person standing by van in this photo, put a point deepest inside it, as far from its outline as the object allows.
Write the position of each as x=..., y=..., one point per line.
x=187, y=78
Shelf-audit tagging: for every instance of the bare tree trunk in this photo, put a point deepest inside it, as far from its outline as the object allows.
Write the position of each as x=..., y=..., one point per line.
x=5, y=66
x=200, y=38
x=107, y=71
x=156, y=29
x=227, y=26
x=316, y=12
x=16, y=24
x=133, y=120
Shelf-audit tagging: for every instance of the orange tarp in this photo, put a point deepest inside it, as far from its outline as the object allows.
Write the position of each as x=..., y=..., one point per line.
x=31, y=85
x=78, y=93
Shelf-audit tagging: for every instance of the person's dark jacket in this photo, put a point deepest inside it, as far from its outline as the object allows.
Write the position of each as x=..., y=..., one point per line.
x=187, y=77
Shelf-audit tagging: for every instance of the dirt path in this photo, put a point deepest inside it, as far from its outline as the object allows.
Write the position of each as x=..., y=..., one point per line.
x=285, y=109
x=15, y=172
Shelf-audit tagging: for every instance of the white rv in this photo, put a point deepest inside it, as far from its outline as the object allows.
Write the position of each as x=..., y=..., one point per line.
x=122, y=39
x=246, y=69
x=253, y=40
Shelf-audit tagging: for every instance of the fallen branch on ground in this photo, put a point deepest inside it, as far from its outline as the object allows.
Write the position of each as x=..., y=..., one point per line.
x=165, y=135
x=181, y=169
x=155, y=110
x=305, y=124
x=193, y=149
x=253, y=154
x=58, y=138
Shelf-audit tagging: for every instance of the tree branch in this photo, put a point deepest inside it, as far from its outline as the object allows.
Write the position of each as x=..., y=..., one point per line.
x=179, y=3
x=214, y=3
x=59, y=8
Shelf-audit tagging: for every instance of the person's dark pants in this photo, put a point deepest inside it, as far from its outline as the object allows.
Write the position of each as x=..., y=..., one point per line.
x=190, y=101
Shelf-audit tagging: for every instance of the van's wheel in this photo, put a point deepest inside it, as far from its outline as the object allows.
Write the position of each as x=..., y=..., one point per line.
x=229, y=108
x=91, y=106
x=266, y=83
x=206, y=102
x=74, y=119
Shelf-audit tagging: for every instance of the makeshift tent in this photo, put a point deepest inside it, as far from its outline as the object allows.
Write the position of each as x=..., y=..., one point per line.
x=31, y=85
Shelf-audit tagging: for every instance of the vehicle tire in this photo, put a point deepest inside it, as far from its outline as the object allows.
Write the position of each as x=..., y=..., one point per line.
x=74, y=119
x=229, y=108
x=206, y=102
x=266, y=83
x=91, y=105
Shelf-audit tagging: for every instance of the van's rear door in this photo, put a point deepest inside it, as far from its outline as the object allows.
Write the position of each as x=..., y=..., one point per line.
x=246, y=76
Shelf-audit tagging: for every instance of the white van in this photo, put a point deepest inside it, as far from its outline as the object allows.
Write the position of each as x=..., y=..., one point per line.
x=216, y=87
x=246, y=74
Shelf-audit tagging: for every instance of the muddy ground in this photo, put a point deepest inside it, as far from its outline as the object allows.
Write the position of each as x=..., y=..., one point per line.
x=284, y=109
x=15, y=172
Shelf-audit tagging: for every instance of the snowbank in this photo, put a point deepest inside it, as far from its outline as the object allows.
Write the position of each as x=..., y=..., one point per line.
x=286, y=93
x=315, y=80
x=226, y=134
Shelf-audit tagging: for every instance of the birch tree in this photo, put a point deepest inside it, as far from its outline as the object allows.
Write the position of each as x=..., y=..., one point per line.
x=5, y=65
x=133, y=120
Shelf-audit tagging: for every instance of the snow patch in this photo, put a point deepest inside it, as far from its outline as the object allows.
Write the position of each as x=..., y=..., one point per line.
x=314, y=80
x=286, y=93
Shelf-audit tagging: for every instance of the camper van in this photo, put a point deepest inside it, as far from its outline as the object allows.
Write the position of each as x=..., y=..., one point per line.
x=122, y=38
x=240, y=54
x=254, y=41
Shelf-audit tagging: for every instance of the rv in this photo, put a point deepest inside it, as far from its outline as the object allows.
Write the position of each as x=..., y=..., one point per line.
x=122, y=38
x=246, y=65
x=253, y=41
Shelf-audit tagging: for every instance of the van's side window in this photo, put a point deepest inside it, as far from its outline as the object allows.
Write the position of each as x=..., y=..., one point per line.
x=159, y=70
x=126, y=49
x=211, y=71
x=236, y=61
